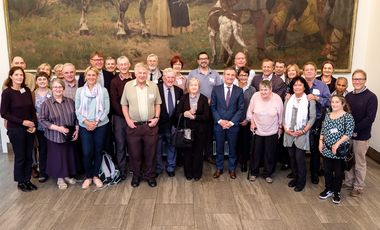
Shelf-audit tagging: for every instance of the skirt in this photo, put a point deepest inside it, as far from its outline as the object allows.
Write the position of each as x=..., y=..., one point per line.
x=60, y=159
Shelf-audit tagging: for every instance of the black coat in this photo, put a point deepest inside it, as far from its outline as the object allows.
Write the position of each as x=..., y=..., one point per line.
x=167, y=121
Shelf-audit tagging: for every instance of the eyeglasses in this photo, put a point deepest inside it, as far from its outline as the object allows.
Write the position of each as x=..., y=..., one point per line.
x=243, y=75
x=57, y=87
x=202, y=59
x=98, y=60
x=358, y=79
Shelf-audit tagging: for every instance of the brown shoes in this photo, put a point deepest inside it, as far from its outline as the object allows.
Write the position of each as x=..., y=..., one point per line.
x=217, y=173
x=232, y=174
x=356, y=192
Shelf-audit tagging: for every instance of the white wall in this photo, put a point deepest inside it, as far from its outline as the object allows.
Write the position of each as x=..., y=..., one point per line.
x=365, y=55
x=4, y=68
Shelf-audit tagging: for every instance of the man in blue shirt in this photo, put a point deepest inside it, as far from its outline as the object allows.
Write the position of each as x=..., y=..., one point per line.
x=320, y=93
x=208, y=79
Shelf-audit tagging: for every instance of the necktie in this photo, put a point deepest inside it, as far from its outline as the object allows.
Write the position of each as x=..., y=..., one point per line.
x=151, y=76
x=228, y=97
x=170, y=102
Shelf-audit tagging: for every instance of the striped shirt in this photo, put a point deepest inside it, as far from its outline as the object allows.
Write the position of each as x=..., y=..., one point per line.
x=61, y=114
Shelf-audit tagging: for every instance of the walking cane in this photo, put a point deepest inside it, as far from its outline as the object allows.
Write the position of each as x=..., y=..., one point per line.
x=251, y=148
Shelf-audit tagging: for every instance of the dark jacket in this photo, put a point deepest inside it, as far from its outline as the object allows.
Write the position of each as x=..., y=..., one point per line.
x=167, y=121
x=202, y=115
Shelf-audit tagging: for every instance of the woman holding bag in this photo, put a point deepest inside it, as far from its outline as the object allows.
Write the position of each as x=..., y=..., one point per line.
x=337, y=129
x=195, y=111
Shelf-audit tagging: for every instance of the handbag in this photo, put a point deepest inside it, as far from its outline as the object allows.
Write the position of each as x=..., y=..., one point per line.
x=182, y=138
x=69, y=135
x=343, y=149
x=349, y=159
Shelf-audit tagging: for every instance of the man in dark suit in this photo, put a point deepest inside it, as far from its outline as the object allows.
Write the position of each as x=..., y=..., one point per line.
x=227, y=106
x=278, y=85
x=105, y=77
x=170, y=96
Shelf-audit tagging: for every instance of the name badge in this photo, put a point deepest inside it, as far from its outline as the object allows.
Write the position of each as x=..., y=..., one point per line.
x=179, y=81
x=177, y=101
x=151, y=96
x=334, y=130
x=212, y=80
x=22, y=90
x=316, y=92
x=48, y=95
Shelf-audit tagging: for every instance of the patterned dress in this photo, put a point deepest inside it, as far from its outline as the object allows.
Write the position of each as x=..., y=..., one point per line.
x=333, y=130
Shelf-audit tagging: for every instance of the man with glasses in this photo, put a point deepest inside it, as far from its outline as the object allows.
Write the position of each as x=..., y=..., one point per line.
x=208, y=79
x=154, y=73
x=363, y=104
x=105, y=77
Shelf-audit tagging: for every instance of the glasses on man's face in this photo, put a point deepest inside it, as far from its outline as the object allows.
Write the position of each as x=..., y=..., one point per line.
x=358, y=79
x=97, y=60
x=202, y=59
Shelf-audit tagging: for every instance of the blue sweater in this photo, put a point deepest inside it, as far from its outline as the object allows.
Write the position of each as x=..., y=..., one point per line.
x=364, y=108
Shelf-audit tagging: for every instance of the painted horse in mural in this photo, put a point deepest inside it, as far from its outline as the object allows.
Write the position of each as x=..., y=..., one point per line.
x=122, y=26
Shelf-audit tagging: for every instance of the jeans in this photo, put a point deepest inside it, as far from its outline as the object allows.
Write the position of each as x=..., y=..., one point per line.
x=92, y=146
x=164, y=143
x=120, y=131
x=42, y=152
x=22, y=144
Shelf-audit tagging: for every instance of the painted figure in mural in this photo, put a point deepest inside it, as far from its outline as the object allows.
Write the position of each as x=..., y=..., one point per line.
x=121, y=7
x=223, y=20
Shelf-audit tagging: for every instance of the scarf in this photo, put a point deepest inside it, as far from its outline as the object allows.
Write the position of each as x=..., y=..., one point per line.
x=302, y=112
x=96, y=93
x=194, y=101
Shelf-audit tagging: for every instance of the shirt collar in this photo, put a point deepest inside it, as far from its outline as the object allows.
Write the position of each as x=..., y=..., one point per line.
x=147, y=83
x=360, y=91
x=55, y=101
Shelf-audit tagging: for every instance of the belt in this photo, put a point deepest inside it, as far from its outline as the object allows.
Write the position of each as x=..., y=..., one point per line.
x=141, y=122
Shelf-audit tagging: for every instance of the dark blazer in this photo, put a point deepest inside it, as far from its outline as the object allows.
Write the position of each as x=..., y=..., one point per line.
x=108, y=76
x=234, y=112
x=202, y=115
x=278, y=85
x=167, y=121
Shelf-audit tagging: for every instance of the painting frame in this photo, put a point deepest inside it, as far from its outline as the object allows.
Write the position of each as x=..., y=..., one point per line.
x=345, y=69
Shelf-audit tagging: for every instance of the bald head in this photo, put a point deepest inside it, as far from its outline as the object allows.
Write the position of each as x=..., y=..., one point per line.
x=18, y=61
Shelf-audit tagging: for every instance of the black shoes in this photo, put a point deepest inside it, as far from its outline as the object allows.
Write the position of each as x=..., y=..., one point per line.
x=298, y=189
x=336, y=198
x=26, y=186
x=315, y=179
x=123, y=177
x=292, y=183
x=23, y=187
x=30, y=185
x=325, y=194
x=291, y=175
x=171, y=174
x=152, y=183
x=135, y=182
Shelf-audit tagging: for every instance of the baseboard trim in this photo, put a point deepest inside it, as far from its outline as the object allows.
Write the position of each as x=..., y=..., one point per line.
x=374, y=155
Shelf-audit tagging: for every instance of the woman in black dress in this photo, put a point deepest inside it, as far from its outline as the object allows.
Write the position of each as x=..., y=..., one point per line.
x=195, y=110
x=17, y=108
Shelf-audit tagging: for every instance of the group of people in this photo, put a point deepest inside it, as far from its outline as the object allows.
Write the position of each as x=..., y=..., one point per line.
x=276, y=116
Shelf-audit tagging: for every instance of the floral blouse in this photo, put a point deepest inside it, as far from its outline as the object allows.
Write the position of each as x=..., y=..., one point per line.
x=333, y=130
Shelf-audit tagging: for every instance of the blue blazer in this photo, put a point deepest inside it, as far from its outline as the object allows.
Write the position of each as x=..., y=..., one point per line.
x=234, y=112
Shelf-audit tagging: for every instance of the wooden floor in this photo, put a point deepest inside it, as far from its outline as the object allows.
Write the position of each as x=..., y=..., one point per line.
x=179, y=204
